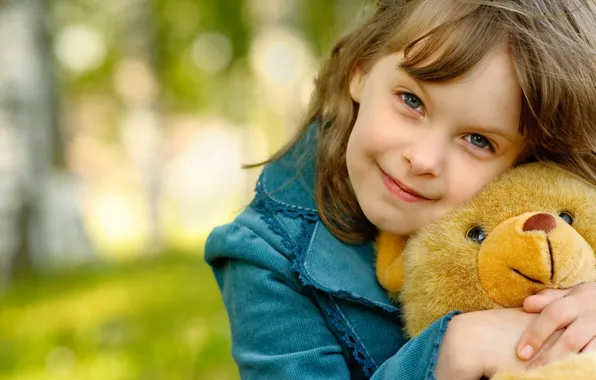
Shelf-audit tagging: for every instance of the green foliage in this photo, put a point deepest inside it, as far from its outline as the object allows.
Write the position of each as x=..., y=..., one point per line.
x=156, y=319
x=172, y=28
x=65, y=13
x=178, y=24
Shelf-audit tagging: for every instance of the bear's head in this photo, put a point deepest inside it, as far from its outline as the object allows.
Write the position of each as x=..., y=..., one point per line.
x=532, y=228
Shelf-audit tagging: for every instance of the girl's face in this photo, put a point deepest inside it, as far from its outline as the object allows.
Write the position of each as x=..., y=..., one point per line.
x=418, y=150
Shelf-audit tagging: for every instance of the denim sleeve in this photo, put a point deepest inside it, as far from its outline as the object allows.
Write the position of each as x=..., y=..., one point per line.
x=279, y=332
x=417, y=359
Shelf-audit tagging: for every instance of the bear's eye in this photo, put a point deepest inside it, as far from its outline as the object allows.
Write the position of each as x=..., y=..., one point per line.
x=476, y=234
x=567, y=218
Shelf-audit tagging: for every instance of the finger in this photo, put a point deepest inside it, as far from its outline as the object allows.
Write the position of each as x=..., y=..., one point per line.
x=556, y=315
x=577, y=336
x=590, y=347
x=548, y=344
x=537, y=302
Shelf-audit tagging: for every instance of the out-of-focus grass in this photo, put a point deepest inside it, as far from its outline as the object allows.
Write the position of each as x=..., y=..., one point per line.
x=160, y=318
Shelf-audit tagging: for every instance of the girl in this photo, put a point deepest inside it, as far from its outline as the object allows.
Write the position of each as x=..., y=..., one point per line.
x=413, y=113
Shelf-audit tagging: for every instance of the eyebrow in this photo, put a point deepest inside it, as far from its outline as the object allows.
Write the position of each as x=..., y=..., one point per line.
x=419, y=83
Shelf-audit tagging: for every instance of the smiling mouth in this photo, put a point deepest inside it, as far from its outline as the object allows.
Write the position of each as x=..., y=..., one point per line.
x=400, y=190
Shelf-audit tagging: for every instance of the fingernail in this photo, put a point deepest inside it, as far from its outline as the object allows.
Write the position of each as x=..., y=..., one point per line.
x=526, y=352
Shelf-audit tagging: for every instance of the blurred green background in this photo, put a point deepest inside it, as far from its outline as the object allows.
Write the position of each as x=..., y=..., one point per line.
x=123, y=127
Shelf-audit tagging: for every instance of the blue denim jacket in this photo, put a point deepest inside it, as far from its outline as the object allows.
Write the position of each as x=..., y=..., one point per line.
x=301, y=303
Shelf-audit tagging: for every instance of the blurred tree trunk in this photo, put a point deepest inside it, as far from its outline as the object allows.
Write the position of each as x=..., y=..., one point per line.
x=143, y=129
x=34, y=116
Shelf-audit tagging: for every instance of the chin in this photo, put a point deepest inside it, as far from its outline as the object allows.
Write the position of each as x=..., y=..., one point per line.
x=400, y=228
x=397, y=223
x=405, y=231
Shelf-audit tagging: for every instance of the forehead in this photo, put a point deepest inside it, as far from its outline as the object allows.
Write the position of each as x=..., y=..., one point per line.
x=444, y=39
x=488, y=94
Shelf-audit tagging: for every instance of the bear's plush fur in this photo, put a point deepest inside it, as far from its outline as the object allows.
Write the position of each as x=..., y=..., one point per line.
x=510, y=241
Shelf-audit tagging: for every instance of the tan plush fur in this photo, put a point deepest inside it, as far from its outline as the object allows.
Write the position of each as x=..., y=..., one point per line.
x=445, y=270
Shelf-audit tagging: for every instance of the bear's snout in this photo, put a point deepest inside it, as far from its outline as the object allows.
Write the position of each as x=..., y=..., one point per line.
x=514, y=263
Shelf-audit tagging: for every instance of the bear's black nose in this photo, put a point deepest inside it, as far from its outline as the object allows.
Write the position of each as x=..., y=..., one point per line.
x=540, y=222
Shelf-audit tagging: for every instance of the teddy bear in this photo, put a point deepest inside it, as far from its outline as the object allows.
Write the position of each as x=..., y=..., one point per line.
x=532, y=228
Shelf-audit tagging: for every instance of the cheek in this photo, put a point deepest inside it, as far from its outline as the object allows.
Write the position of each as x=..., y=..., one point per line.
x=378, y=136
x=466, y=189
x=465, y=186
x=377, y=120
x=357, y=151
x=362, y=140
x=350, y=156
x=467, y=177
x=354, y=148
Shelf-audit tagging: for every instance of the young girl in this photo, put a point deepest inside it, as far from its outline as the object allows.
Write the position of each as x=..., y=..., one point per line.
x=413, y=113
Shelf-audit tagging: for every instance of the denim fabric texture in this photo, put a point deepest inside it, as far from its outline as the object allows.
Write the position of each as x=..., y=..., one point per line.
x=301, y=303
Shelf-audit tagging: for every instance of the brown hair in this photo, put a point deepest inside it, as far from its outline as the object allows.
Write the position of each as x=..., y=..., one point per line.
x=553, y=44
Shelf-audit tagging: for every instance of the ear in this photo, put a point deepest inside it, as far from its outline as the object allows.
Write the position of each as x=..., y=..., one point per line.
x=357, y=83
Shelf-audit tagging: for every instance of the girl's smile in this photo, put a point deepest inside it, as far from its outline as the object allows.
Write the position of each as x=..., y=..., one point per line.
x=402, y=191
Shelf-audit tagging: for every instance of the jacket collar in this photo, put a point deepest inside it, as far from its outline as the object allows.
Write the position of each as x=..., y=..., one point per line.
x=326, y=263
x=345, y=270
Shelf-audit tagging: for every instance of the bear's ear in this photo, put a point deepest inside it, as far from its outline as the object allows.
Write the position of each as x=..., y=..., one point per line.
x=390, y=261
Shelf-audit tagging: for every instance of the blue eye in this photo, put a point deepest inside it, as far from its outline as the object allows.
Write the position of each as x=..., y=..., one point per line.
x=411, y=100
x=479, y=141
x=567, y=218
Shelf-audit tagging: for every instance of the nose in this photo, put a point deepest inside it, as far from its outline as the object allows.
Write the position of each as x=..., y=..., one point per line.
x=540, y=222
x=426, y=156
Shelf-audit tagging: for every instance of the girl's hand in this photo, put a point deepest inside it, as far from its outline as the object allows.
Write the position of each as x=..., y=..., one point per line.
x=571, y=309
x=481, y=343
